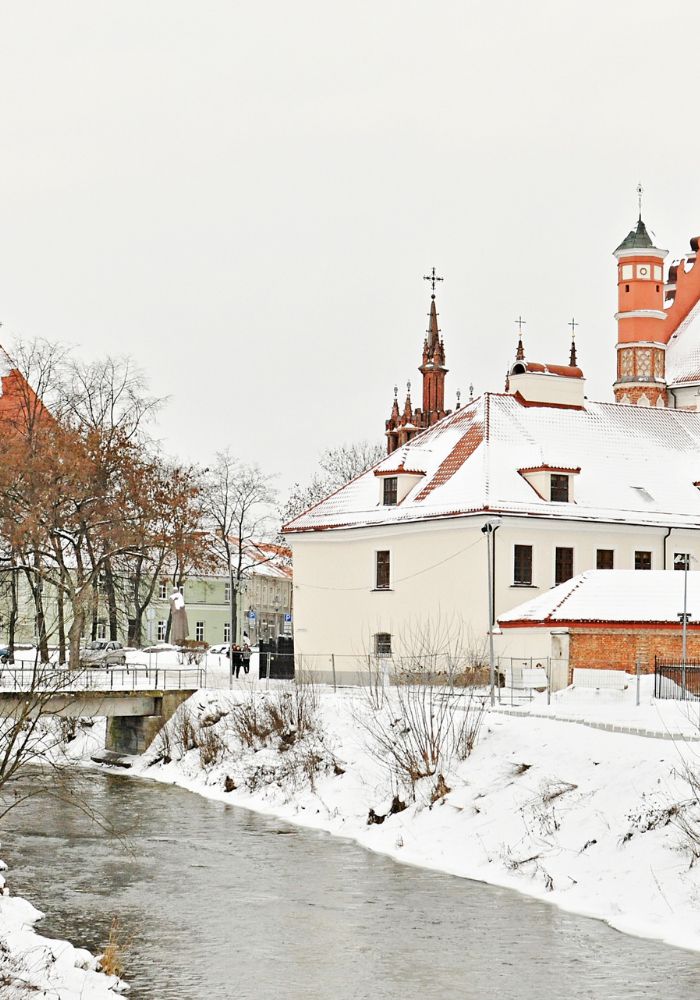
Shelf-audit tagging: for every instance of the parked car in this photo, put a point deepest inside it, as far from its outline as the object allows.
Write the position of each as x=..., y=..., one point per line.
x=103, y=653
x=4, y=654
x=219, y=649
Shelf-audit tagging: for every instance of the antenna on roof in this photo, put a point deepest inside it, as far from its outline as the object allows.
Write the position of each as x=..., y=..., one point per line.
x=640, y=192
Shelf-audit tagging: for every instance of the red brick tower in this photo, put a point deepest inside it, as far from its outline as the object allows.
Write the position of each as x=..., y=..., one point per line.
x=433, y=370
x=641, y=338
x=403, y=425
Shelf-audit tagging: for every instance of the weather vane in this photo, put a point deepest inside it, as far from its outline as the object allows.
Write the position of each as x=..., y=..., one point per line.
x=640, y=192
x=432, y=278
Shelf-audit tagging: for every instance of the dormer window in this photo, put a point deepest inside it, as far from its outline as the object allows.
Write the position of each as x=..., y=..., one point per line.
x=390, y=491
x=559, y=487
x=553, y=484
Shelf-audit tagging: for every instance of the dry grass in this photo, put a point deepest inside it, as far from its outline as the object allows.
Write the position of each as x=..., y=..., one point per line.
x=286, y=716
x=112, y=959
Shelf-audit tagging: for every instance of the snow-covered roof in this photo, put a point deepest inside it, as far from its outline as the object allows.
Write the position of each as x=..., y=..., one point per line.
x=620, y=595
x=683, y=351
x=638, y=466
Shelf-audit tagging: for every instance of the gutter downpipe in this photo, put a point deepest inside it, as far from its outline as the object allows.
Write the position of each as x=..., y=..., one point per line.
x=665, y=539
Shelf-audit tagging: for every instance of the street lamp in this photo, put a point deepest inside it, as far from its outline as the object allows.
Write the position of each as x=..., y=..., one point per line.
x=488, y=529
x=683, y=559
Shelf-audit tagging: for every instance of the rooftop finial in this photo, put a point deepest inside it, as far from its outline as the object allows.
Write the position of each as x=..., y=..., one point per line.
x=408, y=387
x=572, y=357
x=520, y=352
x=396, y=391
x=640, y=192
x=432, y=278
x=459, y=397
x=471, y=391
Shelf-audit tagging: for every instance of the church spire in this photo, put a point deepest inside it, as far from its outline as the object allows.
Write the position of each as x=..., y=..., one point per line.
x=433, y=367
x=520, y=350
x=572, y=356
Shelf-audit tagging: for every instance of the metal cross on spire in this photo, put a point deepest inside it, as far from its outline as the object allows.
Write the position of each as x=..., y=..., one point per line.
x=573, y=324
x=432, y=278
x=520, y=322
x=640, y=192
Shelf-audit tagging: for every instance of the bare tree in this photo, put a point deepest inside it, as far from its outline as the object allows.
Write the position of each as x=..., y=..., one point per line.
x=237, y=501
x=337, y=466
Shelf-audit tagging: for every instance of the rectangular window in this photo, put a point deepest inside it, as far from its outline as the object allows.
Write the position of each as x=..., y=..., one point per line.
x=161, y=630
x=383, y=570
x=522, y=565
x=604, y=559
x=390, y=491
x=642, y=560
x=199, y=631
x=162, y=590
x=382, y=644
x=227, y=631
x=681, y=560
x=227, y=593
x=563, y=565
x=559, y=487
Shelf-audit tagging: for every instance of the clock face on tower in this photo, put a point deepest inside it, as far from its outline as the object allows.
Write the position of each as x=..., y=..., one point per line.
x=643, y=271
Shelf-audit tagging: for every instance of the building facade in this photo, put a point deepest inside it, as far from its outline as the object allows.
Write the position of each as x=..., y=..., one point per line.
x=570, y=485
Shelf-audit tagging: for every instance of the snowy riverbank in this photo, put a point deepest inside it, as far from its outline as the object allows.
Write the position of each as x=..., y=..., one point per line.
x=35, y=966
x=590, y=820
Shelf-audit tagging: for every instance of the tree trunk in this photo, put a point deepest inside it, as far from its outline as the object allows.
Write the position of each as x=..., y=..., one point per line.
x=111, y=601
x=61, y=628
x=76, y=628
x=12, y=622
x=36, y=586
x=95, y=606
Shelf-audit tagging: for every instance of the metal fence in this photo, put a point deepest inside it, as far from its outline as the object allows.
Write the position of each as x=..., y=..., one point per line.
x=677, y=679
x=135, y=677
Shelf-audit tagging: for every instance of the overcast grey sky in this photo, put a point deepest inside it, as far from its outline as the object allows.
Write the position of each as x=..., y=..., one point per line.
x=244, y=196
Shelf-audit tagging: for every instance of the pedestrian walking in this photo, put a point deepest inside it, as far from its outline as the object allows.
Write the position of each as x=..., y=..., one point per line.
x=236, y=660
x=245, y=653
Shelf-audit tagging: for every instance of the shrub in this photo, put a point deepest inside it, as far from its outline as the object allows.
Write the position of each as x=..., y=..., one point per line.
x=421, y=730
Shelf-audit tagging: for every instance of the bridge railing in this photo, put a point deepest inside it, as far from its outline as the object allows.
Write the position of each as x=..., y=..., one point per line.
x=133, y=677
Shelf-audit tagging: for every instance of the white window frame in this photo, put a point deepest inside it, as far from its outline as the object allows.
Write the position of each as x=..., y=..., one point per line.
x=161, y=630
x=162, y=590
x=199, y=631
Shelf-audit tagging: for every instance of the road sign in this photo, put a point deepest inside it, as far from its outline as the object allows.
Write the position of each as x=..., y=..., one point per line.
x=252, y=616
x=288, y=618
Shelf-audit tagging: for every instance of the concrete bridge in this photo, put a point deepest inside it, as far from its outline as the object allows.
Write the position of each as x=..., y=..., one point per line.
x=134, y=718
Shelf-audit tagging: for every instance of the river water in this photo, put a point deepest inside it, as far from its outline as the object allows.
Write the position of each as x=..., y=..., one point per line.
x=225, y=904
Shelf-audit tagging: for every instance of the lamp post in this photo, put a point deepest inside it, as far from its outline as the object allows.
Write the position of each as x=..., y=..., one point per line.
x=488, y=529
x=684, y=560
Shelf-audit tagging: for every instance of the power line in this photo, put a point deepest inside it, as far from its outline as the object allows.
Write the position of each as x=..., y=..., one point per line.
x=400, y=579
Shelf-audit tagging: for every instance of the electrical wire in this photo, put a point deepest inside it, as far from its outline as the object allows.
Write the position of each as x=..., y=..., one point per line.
x=400, y=579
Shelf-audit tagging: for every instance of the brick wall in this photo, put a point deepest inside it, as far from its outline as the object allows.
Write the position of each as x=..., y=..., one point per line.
x=618, y=649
